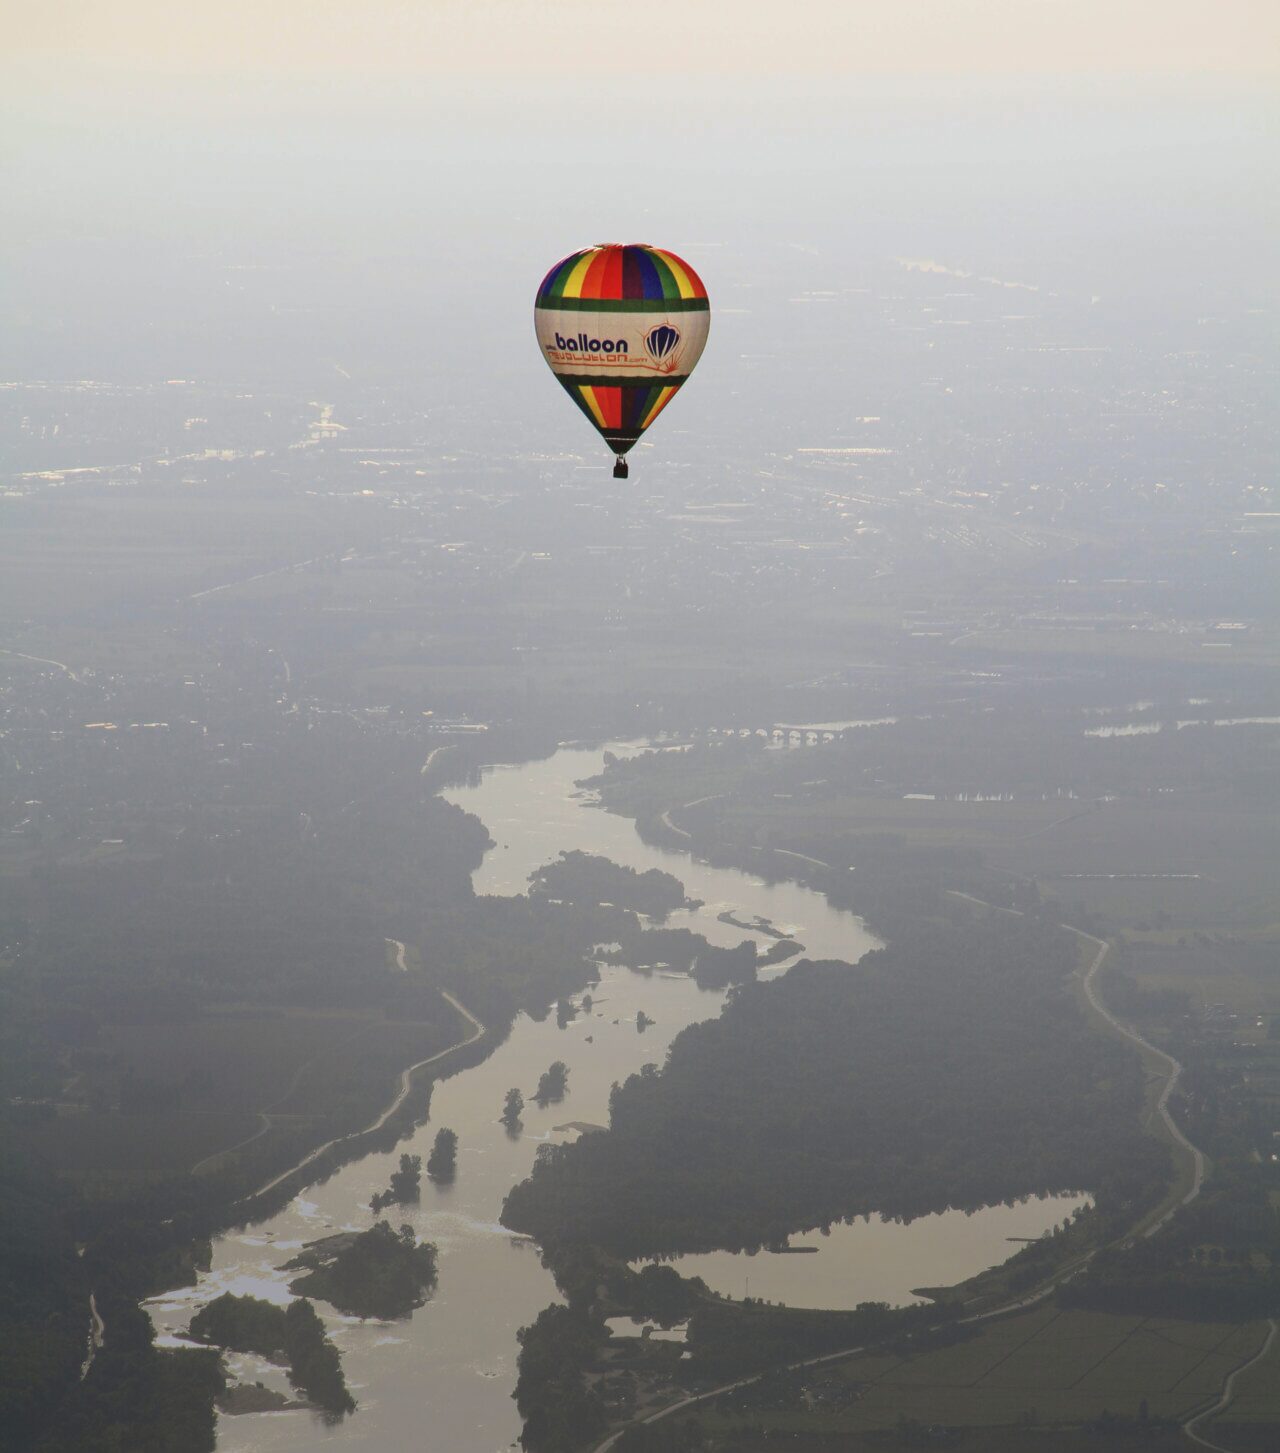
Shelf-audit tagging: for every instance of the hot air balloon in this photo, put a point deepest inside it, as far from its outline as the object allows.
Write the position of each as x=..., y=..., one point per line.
x=622, y=326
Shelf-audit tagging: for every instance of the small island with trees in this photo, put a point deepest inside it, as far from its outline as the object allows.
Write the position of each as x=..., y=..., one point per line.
x=553, y=1085
x=405, y=1188
x=512, y=1109
x=683, y=951
x=442, y=1163
x=374, y=1273
x=293, y=1335
x=585, y=878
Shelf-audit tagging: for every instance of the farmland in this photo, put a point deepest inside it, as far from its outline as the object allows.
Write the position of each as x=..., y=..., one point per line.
x=1045, y=1368
x=203, y=1087
x=290, y=1061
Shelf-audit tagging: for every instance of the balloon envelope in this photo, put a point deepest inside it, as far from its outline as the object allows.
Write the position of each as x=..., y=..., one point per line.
x=622, y=326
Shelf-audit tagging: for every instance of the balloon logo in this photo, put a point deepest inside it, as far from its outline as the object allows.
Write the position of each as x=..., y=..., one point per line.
x=661, y=340
x=603, y=318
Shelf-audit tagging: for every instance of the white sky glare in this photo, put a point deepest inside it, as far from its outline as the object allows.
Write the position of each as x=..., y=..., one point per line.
x=356, y=138
x=478, y=37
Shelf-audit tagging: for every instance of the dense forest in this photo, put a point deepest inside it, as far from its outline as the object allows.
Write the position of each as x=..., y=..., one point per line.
x=559, y=1409
x=253, y=899
x=44, y=1303
x=135, y=1396
x=950, y=1069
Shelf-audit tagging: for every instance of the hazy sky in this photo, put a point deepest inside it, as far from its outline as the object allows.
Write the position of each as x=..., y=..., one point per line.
x=347, y=148
x=560, y=36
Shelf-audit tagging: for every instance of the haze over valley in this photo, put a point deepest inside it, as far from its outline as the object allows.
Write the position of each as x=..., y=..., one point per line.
x=776, y=951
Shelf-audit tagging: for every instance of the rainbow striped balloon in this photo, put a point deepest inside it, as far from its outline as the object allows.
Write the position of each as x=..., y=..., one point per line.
x=622, y=326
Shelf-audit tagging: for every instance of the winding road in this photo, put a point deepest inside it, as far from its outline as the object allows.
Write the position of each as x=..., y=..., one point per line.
x=1174, y=1067
x=665, y=819
x=249, y=579
x=1192, y=1425
x=432, y=756
x=1198, y=1163
x=41, y=661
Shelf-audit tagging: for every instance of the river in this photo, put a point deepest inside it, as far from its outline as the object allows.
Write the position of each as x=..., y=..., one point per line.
x=442, y=1379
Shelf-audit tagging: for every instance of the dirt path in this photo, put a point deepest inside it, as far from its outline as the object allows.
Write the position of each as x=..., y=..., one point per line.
x=432, y=755
x=264, y=1124
x=1191, y=1426
x=41, y=660
x=249, y=579
x=665, y=819
x=402, y=1092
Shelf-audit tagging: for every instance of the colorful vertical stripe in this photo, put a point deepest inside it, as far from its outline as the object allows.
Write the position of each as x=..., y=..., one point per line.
x=621, y=410
x=622, y=273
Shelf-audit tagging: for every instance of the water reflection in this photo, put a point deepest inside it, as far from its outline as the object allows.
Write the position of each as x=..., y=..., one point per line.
x=881, y=1261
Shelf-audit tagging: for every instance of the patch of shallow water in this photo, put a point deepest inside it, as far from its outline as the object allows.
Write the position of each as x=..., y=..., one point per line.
x=880, y=1261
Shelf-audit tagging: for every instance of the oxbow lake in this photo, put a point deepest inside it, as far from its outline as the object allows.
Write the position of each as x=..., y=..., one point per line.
x=443, y=1378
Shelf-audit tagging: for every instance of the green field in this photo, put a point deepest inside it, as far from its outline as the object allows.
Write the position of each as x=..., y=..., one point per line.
x=1241, y=977
x=109, y=1155
x=289, y=1060
x=315, y=1074
x=1232, y=842
x=1044, y=1367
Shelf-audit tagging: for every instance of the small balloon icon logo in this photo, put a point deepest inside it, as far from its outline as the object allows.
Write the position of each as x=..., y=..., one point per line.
x=660, y=341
